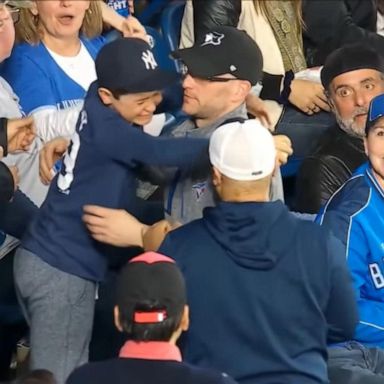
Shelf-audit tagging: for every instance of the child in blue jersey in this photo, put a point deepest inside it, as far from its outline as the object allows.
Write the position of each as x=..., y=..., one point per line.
x=59, y=264
x=355, y=215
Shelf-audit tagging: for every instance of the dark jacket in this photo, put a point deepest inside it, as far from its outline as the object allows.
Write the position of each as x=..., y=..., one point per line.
x=208, y=14
x=143, y=371
x=333, y=23
x=323, y=173
x=7, y=185
x=262, y=286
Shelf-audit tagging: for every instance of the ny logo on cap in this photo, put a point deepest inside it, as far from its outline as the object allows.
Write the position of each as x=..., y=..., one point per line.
x=149, y=59
x=213, y=38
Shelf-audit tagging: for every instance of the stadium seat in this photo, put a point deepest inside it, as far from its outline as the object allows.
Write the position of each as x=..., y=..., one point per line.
x=150, y=15
x=171, y=24
x=173, y=95
x=161, y=49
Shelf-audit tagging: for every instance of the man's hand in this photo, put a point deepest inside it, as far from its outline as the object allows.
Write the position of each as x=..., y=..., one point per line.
x=21, y=133
x=113, y=226
x=15, y=174
x=283, y=148
x=49, y=154
x=257, y=108
x=308, y=96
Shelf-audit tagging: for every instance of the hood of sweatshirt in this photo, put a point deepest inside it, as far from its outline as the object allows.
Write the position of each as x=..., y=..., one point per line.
x=254, y=234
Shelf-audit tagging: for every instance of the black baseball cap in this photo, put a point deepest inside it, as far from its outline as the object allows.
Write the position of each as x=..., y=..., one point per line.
x=349, y=58
x=224, y=50
x=130, y=65
x=151, y=278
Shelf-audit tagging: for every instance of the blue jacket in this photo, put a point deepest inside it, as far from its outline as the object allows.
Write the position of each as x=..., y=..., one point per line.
x=99, y=168
x=262, y=286
x=355, y=215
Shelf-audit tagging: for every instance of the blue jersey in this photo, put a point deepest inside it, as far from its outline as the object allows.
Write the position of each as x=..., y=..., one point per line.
x=99, y=168
x=39, y=81
x=355, y=215
x=120, y=6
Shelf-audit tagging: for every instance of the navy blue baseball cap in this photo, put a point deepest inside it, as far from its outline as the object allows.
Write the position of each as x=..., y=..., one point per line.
x=130, y=65
x=375, y=112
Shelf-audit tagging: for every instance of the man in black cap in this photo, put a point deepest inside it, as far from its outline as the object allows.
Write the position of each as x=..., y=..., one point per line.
x=219, y=74
x=152, y=311
x=352, y=76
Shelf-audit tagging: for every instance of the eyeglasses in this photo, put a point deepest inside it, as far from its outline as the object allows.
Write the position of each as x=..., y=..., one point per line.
x=14, y=12
x=213, y=79
x=217, y=79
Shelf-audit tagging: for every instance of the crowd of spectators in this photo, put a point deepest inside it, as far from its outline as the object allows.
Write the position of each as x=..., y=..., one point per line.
x=221, y=275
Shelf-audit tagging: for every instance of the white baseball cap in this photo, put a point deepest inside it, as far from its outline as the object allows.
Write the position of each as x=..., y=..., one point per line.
x=243, y=151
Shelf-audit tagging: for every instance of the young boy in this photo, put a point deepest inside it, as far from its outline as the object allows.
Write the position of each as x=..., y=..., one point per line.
x=151, y=309
x=59, y=265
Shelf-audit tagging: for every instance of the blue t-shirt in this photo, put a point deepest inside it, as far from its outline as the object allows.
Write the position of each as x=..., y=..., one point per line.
x=120, y=6
x=39, y=81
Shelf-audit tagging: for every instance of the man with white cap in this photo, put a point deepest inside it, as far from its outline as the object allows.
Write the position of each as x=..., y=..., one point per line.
x=262, y=285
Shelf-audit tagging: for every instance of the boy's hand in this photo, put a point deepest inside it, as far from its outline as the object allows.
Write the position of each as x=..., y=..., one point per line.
x=113, y=226
x=49, y=154
x=21, y=133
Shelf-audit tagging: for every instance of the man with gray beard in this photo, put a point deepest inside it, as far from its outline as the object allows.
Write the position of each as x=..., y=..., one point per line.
x=352, y=76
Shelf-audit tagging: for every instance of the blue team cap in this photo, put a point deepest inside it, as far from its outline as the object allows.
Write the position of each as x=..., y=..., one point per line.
x=130, y=65
x=376, y=110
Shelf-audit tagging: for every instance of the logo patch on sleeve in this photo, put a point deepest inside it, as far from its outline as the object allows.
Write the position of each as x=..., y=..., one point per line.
x=199, y=190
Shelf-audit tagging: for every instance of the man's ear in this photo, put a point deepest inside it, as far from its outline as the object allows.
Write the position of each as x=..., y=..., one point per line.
x=330, y=102
x=116, y=314
x=216, y=177
x=243, y=89
x=184, y=325
x=105, y=96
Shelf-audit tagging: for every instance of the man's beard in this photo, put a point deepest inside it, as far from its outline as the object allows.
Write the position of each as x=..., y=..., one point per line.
x=349, y=126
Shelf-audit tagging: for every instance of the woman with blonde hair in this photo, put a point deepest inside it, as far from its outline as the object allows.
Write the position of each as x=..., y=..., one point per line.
x=52, y=65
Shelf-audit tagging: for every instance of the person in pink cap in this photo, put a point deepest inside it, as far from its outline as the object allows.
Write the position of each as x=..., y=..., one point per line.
x=151, y=308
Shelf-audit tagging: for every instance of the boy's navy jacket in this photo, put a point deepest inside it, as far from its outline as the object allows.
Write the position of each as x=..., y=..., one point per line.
x=262, y=286
x=99, y=168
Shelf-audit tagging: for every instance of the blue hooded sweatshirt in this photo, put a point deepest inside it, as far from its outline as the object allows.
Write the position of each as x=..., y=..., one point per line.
x=262, y=286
